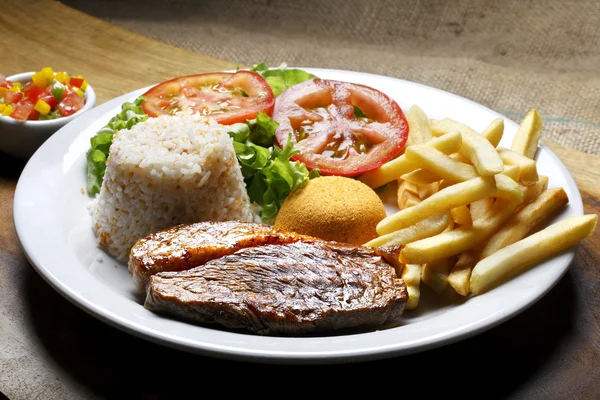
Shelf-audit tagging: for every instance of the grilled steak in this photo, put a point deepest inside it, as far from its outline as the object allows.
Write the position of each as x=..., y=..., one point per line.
x=186, y=246
x=286, y=289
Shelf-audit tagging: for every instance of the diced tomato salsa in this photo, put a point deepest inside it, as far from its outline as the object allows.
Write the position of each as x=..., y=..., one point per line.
x=49, y=95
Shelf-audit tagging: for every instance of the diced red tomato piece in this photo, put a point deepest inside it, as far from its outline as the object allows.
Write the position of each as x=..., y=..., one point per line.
x=13, y=97
x=4, y=82
x=33, y=92
x=77, y=82
x=50, y=100
x=70, y=104
x=35, y=114
x=22, y=110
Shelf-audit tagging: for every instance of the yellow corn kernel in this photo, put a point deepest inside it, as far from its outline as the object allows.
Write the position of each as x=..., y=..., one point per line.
x=39, y=80
x=3, y=91
x=79, y=92
x=42, y=107
x=48, y=73
x=84, y=85
x=61, y=77
x=16, y=87
x=2, y=107
x=7, y=111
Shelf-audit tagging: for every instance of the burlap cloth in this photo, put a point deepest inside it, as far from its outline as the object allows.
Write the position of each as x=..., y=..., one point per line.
x=507, y=55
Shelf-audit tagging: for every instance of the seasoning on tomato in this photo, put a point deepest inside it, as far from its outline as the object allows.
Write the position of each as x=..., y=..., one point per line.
x=340, y=128
x=227, y=97
x=48, y=95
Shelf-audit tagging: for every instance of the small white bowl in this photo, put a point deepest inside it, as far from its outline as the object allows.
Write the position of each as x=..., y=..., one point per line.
x=22, y=138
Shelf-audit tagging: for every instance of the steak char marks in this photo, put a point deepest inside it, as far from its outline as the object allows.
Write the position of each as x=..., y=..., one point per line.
x=303, y=286
x=187, y=246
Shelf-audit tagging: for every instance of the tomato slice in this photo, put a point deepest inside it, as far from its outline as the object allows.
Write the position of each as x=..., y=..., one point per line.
x=321, y=118
x=226, y=97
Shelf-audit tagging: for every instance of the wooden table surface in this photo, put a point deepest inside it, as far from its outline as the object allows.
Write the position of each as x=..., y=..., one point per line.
x=51, y=349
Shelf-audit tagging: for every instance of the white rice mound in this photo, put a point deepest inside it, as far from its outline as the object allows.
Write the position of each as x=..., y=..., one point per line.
x=166, y=171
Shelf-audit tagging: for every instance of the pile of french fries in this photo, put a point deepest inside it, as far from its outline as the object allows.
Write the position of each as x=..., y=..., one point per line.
x=471, y=211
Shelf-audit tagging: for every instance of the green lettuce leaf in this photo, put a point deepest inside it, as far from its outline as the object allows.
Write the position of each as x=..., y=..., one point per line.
x=130, y=114
x=282, y=77
x=239, y=132
x=95, y=170
x=262, y=129
x=269, y=174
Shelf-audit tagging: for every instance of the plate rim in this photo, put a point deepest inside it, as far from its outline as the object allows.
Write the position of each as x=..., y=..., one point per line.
x=135, y=329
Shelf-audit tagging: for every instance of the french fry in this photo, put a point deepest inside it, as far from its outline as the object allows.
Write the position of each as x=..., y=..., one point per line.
x=526, y=140
x=528, y=174
x=481, y=207
x=421, y=177
x=512, y=171
x=418, y=124
x=388, y=172
x=459, y=240
x=411, y=275
x=410, y=194
x=533, y=191
x=530, y=216
x=399, y=166
x=498, y=214
x=474, y=146
x=427, y=190
x=440, y=164
x=466, y=211
x=425, y=228
x=445, y=199
x=405, y=186
x=445, y=183
x=483, y=156
x=440, y=246
x=508, y=189
x=410, y=200
x=461, y=216
x=515, y=258
x=435, y=274
x=461, y=272
x=493, y=133
x=407, y=193
x=451, y=225
x=460, y=158
x=407, y=199
x=441, y=127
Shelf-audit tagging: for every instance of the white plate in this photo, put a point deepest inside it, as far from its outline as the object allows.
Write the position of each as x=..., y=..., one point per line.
x=54, y=228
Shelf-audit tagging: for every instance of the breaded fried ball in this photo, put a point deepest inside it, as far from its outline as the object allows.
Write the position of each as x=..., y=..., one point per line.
x=333, y=208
